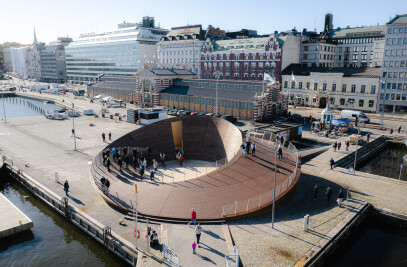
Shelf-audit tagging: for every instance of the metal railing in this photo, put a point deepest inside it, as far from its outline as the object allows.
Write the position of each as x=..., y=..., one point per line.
x=240, y=207
x=233, y=260
x=170, y=257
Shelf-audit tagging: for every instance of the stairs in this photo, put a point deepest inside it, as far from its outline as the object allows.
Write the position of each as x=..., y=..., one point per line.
x=364, y=153
x=159, y=220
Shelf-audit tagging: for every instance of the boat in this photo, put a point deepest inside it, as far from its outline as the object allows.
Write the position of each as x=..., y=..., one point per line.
x=48, y=102
x=55, y=115
x=73, y=113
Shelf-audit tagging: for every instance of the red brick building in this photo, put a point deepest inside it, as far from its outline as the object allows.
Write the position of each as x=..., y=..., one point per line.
x=241, y=59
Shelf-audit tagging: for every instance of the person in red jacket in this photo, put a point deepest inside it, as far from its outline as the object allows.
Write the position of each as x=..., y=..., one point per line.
x=193, y=217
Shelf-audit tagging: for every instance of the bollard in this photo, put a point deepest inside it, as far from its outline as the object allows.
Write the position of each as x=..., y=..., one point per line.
x=306, y=223
x=56, y=176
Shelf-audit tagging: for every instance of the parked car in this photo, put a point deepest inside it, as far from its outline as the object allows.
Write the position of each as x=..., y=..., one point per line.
x=210, y=114
x=179, y=112
x=12, y=89
x=352, y=114
x=194, y=113
x=172, y=112
x=229, y=118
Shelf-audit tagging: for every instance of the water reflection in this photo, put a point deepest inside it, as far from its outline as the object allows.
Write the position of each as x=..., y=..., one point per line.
x=17, y=107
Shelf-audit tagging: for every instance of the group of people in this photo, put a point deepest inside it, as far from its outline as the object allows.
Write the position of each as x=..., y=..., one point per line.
x=179, y=154
x=198, y=231
x=138, y=159
x=398, y=130
x=328, y=194
x=104, y=137
x=246, y=148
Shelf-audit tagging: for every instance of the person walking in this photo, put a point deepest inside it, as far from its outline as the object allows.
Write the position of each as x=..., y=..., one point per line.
x=145, y=163
x=248, y=144
x=73, y=132
x=399, y=129
x=155, y=164
x=339, y=145
x=282, y=140
x=120, y=163
x=334, y=145
x=193, y=217
x=253, y=149
x=328, y=193
x=66, y=187
x=193, y=247
x=367, y=137
x=315, y=192
x=163, y=160
x=141, y=173
x=181, y=159
x=340, y=198
x=103, y=137
x=280, y=152
x=198, y=231
x=332, y=163
x=108, y=164
x=391, y=131
x=114, y=153
x=110, y=136
x=243, y=149
x=347, y=145
x=152, y=175
x=127, y=160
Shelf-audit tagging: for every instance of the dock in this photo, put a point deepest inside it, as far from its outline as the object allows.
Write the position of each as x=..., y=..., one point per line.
x=12, y=220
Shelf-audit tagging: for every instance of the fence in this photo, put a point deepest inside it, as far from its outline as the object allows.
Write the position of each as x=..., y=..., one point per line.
x=101, y=233
x=232, y=260
x=240, y=207
x=169, y=256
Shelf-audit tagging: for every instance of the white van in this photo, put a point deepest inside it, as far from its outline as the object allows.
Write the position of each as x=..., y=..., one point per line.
x=352, y=114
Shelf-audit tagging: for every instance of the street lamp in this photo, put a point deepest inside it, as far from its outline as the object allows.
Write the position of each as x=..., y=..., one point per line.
x=382, y=113
x=217, y=81
x=274, y=189
x=357, y=142
x=73, y=125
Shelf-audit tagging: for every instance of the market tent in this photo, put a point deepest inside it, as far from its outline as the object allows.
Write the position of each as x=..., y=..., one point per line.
x=340, y=122
x=110, y=98
x=100, y=96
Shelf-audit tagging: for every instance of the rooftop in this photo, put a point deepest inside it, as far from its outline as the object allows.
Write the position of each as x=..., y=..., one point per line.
x=240, y=44
x=369, y=31
x=398, y=19
x=302, y=70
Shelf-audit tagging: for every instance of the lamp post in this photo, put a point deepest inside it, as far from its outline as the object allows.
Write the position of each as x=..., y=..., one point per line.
x=4, y=103
x=73, y=126
x=382, y=113
x=217, y=81
x=274, y=189
x=357, y=142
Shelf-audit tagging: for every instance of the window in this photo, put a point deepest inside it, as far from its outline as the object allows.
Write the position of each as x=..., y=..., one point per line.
x=388, y=41
x=393, y=52
x=405, y=41
x=361, y=101
x=371, y=103
x=363, y=89
x=342, y=101
x=300, y=85
x=324, y=85
x=315, y=86
x=395, y=30
x=285, y=84
x=389, y=31
x=399, y=41
x=308, y=86
x=373, y=89
x=334, y=87
x=292, y=85
x=344, y=88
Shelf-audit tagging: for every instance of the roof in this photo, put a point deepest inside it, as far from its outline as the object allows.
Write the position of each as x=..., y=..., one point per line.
x=163, y=72
x=369, y=31
x=237, y=95
x=302, y=70
x=240, y=44
x=398, y=19
x=186, y=32
x=114, y=85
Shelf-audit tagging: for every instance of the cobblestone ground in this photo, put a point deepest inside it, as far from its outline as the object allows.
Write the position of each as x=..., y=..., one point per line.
x=261, y=245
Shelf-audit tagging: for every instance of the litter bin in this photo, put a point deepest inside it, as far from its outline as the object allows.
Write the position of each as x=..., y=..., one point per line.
x=120, y=118
x=103, y=115
x=111, y=117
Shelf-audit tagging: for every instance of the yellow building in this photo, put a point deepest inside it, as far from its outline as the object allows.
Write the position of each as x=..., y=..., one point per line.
x=338, y=88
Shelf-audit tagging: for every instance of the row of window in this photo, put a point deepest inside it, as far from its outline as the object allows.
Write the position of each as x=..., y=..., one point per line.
x=395, y=75
x=396, y=86
x=358, y=41
x=334, y=89
x=207, y=101
x=228, y=85
x=179, y=52
x=394, y=96
x=397, y=30
x=396, y=63
x=396, y=52
x=396, y=41
x=248, y=56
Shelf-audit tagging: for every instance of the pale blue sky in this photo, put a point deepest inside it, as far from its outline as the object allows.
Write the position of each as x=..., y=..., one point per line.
x=73, y=17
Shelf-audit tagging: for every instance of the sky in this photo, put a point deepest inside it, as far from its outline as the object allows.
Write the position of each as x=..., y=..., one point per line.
x=53, y=18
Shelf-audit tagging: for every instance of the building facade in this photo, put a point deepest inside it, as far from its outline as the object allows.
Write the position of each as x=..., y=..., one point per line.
x=7, y=61
x=394, y=70
x=34, y=61
x=338, y=88
x=19, y=58
x=181, y=49
x=318, y=53
x=122, y=51
x=53, y=63
x=241, y=59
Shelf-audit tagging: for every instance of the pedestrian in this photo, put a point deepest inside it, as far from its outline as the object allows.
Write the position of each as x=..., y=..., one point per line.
x=198, y=231
x=193, y=217
x=399, y=129
x=152, y=175
x=332, y=163
x=181, y=159
x=141, y=173
x=367, y=137
x=66, y=187
x=391, y=131
x=120, y=163
x=103, y=137
x=110, y=136
x=334, y=145
x=347, y=145
x=282, y=140
x=280, y=152
x=73, y=132
x=328, y=193
x=253, y=149
x=193, y=247
x=127, y=160
x=248, y=144
x=315, y=191
x=242, y=146
x=114, y=153
x=340, y=198
x=108, y=164
x=145, y=163
x=339, y=145
x=164, y=158
x=155, y=164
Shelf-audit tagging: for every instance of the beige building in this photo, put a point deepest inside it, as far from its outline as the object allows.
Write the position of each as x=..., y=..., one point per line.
x=340, y=88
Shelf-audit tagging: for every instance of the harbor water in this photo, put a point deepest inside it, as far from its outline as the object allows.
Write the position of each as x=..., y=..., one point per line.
x=53, y=241
x=17, y=107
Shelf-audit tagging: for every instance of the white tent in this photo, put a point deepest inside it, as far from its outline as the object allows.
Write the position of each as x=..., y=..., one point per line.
x=100, y=96
x=110, y=98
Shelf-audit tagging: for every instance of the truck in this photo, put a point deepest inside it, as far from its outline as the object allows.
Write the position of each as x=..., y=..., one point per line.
x=353, y=114
x=39, y=87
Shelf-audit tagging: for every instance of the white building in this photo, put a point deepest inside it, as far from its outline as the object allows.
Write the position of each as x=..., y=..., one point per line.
x=8, y=64
x=181, y=49
x=122, y=51
x=343, y=88
x=19, y=61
